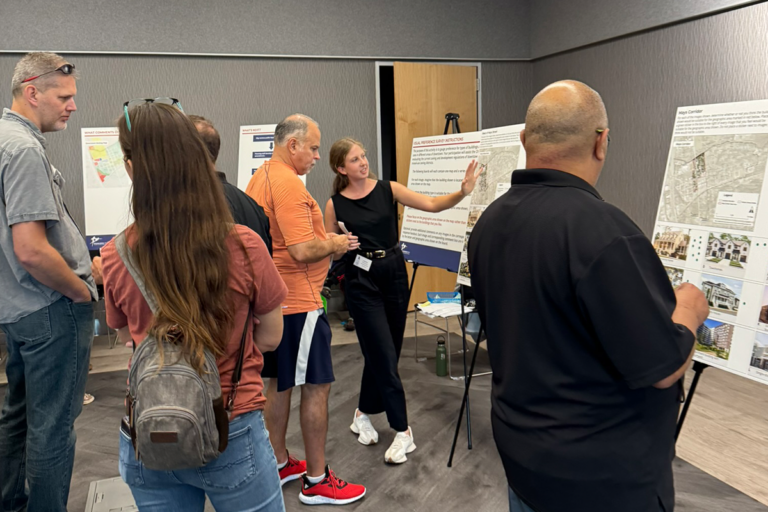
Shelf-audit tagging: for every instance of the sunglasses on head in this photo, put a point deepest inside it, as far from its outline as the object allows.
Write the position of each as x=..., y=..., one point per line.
x=66, y=69
x=142, y=101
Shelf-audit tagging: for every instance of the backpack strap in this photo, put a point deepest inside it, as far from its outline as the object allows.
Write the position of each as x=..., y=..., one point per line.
x=237, y=373
x=121, y=243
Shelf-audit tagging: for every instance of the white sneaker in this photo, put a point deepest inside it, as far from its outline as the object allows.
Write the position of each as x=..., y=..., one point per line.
x=402, y=445
x=362, y=426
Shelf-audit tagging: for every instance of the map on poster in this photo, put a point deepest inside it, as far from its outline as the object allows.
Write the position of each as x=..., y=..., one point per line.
x=712, y=228
x=257, y=142
x=500, y=154
x=106, y=186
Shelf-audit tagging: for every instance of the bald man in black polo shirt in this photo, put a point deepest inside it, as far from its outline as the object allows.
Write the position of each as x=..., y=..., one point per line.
x=587, y=339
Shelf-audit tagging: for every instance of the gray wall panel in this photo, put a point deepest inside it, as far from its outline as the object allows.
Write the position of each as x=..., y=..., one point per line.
x=643, y=79
x=340, y=95
x=391, y=28
x=558, y=25
x=507, y=90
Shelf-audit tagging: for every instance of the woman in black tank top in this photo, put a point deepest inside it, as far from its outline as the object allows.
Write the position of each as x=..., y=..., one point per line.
x=377, y=283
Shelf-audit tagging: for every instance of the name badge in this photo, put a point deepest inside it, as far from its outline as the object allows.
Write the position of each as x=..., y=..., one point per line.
x=363, y=263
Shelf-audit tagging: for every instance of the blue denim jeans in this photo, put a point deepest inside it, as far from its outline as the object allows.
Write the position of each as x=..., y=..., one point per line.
x=516, y=504
x=48, y=353
x=242, y=479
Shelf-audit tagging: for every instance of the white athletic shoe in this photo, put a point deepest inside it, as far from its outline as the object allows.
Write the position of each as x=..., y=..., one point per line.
x=402, y=445
x=361, y=425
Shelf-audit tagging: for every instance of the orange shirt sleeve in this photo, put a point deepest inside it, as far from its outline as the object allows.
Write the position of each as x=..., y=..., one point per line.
x=110, y=260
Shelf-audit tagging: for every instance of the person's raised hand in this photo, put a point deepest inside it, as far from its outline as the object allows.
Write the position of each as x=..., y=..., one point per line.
x=470, y=177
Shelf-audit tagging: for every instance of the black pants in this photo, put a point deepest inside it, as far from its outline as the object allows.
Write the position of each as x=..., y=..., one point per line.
x=378, y=301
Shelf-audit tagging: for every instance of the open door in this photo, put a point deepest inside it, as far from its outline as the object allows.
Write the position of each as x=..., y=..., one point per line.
x=424, y=93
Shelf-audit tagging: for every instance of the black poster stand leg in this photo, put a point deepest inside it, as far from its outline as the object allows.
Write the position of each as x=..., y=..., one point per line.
x=465, y=400
x=413, y=278
x=464, y=359
x=698, y=368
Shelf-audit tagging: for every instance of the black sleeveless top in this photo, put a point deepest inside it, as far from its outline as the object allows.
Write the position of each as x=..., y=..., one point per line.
x=373, y=218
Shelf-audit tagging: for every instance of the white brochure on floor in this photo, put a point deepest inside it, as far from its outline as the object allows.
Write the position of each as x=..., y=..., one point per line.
x=257, y=142
x=106, y=186
x=501, y=152
x=712, y=228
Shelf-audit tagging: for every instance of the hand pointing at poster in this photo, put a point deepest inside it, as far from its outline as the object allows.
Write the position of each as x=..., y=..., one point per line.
x=470, y=178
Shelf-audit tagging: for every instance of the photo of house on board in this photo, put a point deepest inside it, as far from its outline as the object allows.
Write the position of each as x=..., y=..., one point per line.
x=758, y=364
x=675, y=276
x=762, y=320
x=714, y=338
x=727, y=254
x=671, y=243
x=723, y=294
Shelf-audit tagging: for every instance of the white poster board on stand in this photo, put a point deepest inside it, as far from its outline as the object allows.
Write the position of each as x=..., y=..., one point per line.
x=712, y=228
x=501, y=152
x=438, y=165
x=257, y=142
x=106, y=186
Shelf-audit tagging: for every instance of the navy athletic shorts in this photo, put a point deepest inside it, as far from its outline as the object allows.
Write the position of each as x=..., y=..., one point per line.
x=304, y=354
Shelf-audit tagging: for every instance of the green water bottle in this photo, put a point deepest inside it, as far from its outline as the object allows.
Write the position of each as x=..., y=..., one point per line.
x=441, y=358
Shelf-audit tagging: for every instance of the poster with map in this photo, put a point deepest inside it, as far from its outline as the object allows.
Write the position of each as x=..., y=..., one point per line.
x=500, y=153
x=106, y=186
x=712, y=228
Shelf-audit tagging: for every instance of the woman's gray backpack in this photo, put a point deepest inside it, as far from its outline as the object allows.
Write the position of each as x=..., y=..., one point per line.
x=177, y=418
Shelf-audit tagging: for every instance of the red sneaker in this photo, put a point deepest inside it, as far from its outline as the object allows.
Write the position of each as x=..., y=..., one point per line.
x=292, y=470
x=331, y=491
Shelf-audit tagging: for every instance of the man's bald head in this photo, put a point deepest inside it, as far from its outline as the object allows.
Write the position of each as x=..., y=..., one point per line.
x=562, y=119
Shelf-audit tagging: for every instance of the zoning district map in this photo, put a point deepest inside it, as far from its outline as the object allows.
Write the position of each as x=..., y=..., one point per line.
x=701, y=169
x=108, y=166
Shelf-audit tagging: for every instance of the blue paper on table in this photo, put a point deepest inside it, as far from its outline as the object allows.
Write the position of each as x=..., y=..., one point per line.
x=444, y=297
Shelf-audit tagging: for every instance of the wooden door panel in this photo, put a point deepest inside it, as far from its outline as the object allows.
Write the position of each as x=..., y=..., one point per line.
x=424, y=93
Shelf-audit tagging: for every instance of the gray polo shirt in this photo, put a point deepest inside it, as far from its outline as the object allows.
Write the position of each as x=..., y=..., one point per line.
x=30, y=189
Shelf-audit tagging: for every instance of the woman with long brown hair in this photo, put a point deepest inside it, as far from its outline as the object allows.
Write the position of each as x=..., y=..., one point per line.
x=377, y=283
x=206, y=274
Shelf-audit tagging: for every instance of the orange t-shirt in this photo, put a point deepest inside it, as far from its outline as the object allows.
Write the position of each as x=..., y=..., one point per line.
x=294, y=218
x=125, y=306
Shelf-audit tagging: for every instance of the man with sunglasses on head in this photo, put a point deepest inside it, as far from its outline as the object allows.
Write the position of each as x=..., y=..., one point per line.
x=46, y=304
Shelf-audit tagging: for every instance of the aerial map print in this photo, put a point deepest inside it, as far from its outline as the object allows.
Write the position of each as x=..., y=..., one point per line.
x=702, y=167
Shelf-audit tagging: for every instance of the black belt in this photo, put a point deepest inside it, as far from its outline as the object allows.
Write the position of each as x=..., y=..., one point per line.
x=377, y=254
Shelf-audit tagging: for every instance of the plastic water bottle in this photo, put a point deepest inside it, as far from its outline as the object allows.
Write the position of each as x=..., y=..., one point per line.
x=441, y=358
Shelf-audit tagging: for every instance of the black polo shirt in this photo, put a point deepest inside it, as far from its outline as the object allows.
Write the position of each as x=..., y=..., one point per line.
x=577, y=307
x=246, y=211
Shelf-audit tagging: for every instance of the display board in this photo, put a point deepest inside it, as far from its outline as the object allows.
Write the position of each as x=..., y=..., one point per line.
x=256, y=145
x=712, y=228
x=501, y=152
x=438, y=165
x=106, y=186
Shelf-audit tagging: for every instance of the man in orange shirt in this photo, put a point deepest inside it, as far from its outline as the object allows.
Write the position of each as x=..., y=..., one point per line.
x=302, y=252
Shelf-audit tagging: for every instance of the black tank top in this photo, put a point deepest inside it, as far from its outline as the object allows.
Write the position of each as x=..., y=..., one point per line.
x=373, y=218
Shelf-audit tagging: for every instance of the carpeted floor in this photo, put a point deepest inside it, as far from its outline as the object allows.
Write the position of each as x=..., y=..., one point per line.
x=424, y=483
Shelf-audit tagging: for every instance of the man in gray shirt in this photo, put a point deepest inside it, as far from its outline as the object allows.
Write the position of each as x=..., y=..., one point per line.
x=46, y=303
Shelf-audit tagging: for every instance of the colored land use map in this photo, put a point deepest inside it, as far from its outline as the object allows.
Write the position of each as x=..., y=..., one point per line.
x=108, y=165
x=701, y=168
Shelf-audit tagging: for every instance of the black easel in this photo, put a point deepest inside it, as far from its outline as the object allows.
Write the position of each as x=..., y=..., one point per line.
x=698, y=368
x=465, y=400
